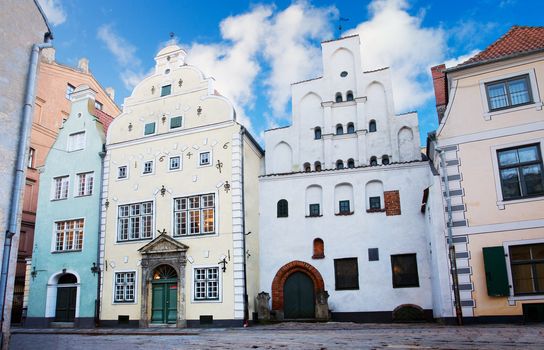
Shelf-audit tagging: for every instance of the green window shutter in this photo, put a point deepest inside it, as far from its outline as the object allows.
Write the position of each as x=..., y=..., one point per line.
x=495, y=272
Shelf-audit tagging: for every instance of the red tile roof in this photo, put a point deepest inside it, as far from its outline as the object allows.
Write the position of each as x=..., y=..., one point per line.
x=517, y=40
x=104, y=118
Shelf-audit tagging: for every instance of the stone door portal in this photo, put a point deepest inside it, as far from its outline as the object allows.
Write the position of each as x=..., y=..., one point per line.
x=298, y=294
x=164, y=295
x=65, y=309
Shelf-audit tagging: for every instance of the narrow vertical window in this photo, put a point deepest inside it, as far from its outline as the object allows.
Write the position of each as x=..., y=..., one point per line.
x=349, y=96
x=351, y=128
x=175, y=163
x=85, y=184
x=319, y=249
x=339, y=129
x=282, y=208
x=60, y=187
x=122, y=172
x=317, y=133
x=372, y=126
x=30, y=162
x=339, y=164
x=125, y=287
x=385, y=159
x=373, y=161
x=307, y=167
x=148, y=167
x=338, y=97
x=69, y=90
x=317, y=166
x=351, y=163
x=205, y=158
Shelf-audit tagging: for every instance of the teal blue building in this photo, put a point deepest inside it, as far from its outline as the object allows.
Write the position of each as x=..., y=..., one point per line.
x=64, y=273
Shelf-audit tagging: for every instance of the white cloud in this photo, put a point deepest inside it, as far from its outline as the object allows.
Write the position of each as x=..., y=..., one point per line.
x=53, y=11
x=452, y=62
x=395, y=38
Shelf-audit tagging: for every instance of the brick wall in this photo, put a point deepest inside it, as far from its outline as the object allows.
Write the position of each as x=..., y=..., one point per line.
x=392, y=203
x=440, y=89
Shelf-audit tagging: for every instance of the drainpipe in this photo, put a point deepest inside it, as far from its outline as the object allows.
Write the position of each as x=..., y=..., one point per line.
x=102, y=155
x=246, y=306
x=453, y=262
x=20, y=168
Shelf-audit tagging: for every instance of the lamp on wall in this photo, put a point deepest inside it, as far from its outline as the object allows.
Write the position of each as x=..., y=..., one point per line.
x=223, y=262
x=95, y=268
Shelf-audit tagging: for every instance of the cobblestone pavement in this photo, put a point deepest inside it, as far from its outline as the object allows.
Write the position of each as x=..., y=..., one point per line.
x=290, y=336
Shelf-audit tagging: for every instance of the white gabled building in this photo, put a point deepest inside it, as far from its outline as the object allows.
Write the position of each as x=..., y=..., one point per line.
x=341, y=203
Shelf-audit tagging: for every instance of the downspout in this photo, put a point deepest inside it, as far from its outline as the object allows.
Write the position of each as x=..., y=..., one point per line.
x=102, y=155
x=20, y=168
x=453, y=262
x=246, y=306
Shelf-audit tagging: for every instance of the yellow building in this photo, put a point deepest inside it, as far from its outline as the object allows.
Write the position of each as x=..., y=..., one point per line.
x=180, y=199
x=491, y=136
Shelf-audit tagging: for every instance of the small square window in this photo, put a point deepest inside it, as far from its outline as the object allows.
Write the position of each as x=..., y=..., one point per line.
x=375, y=202
x=344, y=207
x=166, y=90
x=98, y=105
x=148, y=167
x=373, y=254
x=76, y=141
x=149, y=128
x=404, y=268
x=205, y=158
x=176, y=122
x=346, y=274
x=175, y=163
x=122, y=172
x=314, y=210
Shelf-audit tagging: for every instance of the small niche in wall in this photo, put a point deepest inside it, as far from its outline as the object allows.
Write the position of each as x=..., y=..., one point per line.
x=373, y=254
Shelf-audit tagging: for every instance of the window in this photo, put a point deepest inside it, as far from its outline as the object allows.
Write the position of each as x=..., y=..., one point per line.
x=69, y=90
x=76, y=141
x=372, y=126
x=317, y=166
x=346, y=274
x=404, y=267
x=282, y=208
x=520, y=171
x=124, y=286
x=176, y=122
x=149, y=128
x=373, y=161
x=319, y=249
x=148, y=167
x=166, y=90
x=314, y=209
x=385, y=159
x=373, y=254
x=135, y=221
x=339, y=164
x=85, y=184
x=344, y=74
x=351, y=128
x=98, y=105
x=194, y=215
x=527, y=264
x=175, y=163
x=338, y=97
x=69, y=235
x=349, y=96
x=374, y=203
x=307, y=167
x=122, y=172
x=343, y=207
x=205, y=158
x=339, y=129
x=351, y=163
x=206, y=283
x=60, y=187
x=30, y=161
x=508, y=93
x=317, y=133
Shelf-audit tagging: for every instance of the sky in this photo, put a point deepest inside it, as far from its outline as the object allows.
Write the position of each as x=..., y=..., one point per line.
x=256, y=49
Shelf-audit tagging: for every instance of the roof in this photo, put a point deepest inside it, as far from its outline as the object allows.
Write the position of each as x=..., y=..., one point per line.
x=518, y=40
x=104, y=118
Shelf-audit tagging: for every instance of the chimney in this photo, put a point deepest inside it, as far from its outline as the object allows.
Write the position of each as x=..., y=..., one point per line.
x=111, y=92
x=440, y=89
x=48, y=55
x=83, y=65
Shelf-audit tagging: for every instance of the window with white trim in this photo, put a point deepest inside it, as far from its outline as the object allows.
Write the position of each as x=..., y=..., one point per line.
x=69, y=90
x=520, y=170
x=508, y=93
x=76, y=141
x=148, y=167
x=135, y=221
x=60, y=187
x=527, y=265
x=206, y=285
x=122, y=172
x=124, y=287
x=176, y=122
x=175, y=163
x=69, y=235
x=85, y=184
x=194, y=215
x=149, y=128
x=205, y=158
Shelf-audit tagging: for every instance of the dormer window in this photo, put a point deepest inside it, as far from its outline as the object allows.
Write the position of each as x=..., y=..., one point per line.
x=351, y=128
x=349, y=96
x=339, y=129
x=372, y=126
x=317, y=133
x=166, y=90
x=338, y=97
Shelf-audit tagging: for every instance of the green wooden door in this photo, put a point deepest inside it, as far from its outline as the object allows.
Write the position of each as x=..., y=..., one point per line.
x=298, y=296
x=66, y=304
x=164, y=302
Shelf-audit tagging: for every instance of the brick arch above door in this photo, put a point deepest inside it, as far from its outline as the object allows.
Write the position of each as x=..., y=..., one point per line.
x=287, y=270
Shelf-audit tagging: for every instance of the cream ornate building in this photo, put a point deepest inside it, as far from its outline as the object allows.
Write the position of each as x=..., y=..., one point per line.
x=180, y=175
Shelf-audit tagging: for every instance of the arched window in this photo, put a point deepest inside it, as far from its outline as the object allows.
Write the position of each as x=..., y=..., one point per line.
x=317, y=133
x=319, y=249
x=351, y=163
x=351, y=128
x=67, y=278
x=374, y=195
x=349, y=96
x=385, y=159
x=372, y=126
x=338, y=97
x=314, y=196
x=317, y=166
x=339, y=129
x=339, y=164
x=307, y=167
x=283, y=208
x=373, y=161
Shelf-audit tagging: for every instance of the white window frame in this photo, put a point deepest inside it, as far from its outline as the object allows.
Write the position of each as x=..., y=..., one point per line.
x=127, y=172
x=501, y=203
x=72, y=145
x=154, y=131
x=220, y=284
x=69, y=91
x=130, y=240
x=170, y=122
x=201, y=218
x=537, y=102
x=152, y=167
x=63, y=186
x=200, y=165
x=54, y=239
x=86, y=191
x=114, y=285
x=506, y=246
x=180, y=160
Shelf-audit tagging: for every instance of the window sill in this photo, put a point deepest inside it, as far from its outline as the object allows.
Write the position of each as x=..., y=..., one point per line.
x=345, y=214
x=490, y=114
x=58, y=199
x=66, y=251
x=502, y=203
x=124, y=302
x=514, y=298
x=195, y=235
x=200, y=301
x=135, y=240
x=314, y=216
x=84, y=195
x=376, y=210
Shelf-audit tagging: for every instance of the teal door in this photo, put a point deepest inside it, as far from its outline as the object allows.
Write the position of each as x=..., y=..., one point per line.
x=164, y=303
x=66, y=304
x=298, y=296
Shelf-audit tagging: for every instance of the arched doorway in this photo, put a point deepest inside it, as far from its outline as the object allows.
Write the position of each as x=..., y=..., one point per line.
x=298, y=296
x=164, y=295
x=65, y=308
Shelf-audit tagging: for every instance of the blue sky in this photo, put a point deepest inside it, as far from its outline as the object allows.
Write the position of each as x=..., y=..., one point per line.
x=255, y=49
